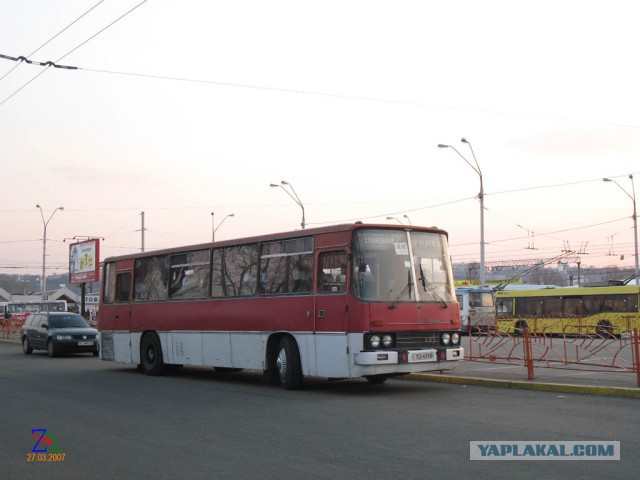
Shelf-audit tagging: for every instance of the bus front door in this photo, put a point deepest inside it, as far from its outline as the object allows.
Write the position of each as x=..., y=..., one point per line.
x=331, y=314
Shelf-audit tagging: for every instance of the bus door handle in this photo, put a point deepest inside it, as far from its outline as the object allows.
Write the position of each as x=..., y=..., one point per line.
x=320, y=313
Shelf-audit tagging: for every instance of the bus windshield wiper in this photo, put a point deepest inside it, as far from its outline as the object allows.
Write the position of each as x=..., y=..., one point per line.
x=434, y=293
x=407, y=289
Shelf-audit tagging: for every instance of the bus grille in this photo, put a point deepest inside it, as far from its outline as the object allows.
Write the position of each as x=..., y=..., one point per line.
x=417, y=339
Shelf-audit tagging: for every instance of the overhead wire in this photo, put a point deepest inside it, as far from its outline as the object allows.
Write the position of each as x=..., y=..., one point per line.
x=48, y=65
x=52, y=38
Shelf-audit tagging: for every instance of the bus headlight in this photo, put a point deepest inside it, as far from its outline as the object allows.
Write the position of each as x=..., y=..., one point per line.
x=387, y=341
x=455, y=338
x=374, y=341
x=446, y=338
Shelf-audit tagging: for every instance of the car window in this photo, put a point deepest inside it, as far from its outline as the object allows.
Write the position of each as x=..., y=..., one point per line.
x=41, y=320
x=70, y=320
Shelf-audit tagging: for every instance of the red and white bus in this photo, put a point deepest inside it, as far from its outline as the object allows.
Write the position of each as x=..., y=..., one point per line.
x=344, y=301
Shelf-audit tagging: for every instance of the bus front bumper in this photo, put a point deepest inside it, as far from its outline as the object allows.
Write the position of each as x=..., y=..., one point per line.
x=431, y=355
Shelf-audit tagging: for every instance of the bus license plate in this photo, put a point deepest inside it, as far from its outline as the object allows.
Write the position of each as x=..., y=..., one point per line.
x=422, y=356
x=84, y=344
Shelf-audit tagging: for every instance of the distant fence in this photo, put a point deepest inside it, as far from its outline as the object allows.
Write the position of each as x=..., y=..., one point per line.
x=596, y=353
x=10, y=326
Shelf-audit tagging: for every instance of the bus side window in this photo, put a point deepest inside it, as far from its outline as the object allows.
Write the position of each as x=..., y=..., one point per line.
x=123, y=287
x=332, y=272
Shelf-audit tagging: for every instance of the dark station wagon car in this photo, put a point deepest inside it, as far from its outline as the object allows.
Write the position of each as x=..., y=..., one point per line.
x=59, y=332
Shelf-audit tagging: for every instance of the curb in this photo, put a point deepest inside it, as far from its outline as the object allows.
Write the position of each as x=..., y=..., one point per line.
x=8, y=340
x=519, y=385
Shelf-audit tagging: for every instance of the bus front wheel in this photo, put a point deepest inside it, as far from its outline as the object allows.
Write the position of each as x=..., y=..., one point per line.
x=376, y=379
x=288, y=364
x=151, y=355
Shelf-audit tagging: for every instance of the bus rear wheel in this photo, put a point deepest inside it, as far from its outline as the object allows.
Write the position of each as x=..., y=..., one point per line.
x=151, y=355
x=519, y=327
x=287, y=363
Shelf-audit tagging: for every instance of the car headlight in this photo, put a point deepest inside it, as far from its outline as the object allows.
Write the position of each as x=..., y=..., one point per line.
x=374, y=341
x=455, y=338
x=387, y=341
x=446, y=338
x=63, y=337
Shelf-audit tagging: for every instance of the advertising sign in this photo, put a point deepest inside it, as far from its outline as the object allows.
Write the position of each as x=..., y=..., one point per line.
x=84, y=261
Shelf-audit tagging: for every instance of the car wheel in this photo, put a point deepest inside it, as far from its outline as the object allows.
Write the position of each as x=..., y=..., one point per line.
x=51, y=349
x=288, y=364
x=26, y=346
x=151, y=355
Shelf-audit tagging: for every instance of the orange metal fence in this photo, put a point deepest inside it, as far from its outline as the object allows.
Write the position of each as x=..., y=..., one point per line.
x=596, y=353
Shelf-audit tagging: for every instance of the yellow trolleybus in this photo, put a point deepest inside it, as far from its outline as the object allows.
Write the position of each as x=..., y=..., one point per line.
x=604, y=311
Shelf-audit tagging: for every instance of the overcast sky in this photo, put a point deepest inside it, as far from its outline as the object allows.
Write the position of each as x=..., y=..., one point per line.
x=183, y=108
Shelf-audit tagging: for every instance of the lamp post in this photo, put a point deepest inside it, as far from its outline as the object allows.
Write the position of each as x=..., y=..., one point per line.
x=394, y=218
x=635, y=218
x=476, y=169
x=214, y=229
x=408, y=219
x=43, y=281
x=294, y=197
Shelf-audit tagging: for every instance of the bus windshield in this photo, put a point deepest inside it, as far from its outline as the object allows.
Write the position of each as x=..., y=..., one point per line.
x=401, y=266
x=481, y=299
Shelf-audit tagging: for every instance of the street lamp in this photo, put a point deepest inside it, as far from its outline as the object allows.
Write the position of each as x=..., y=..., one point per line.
x=476, y=169
x=43, y=281
x=394, y=218
x=408, y=219
x=214, y=229
x=294, y=197
x=635, y=218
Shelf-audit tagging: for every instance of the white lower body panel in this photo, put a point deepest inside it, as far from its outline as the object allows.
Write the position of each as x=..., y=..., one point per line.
x=322, y=354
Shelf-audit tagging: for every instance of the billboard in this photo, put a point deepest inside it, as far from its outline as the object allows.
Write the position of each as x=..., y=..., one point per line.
x=84, y=261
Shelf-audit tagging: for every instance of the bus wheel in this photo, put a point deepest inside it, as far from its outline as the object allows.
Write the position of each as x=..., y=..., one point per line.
x=151, y=355
x=519, y=327
x=376, y=379
x=26, y=346
x=288, y=364
x=604, y=329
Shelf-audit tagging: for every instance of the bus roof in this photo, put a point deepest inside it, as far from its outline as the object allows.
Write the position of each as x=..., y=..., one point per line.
x=278, y=236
